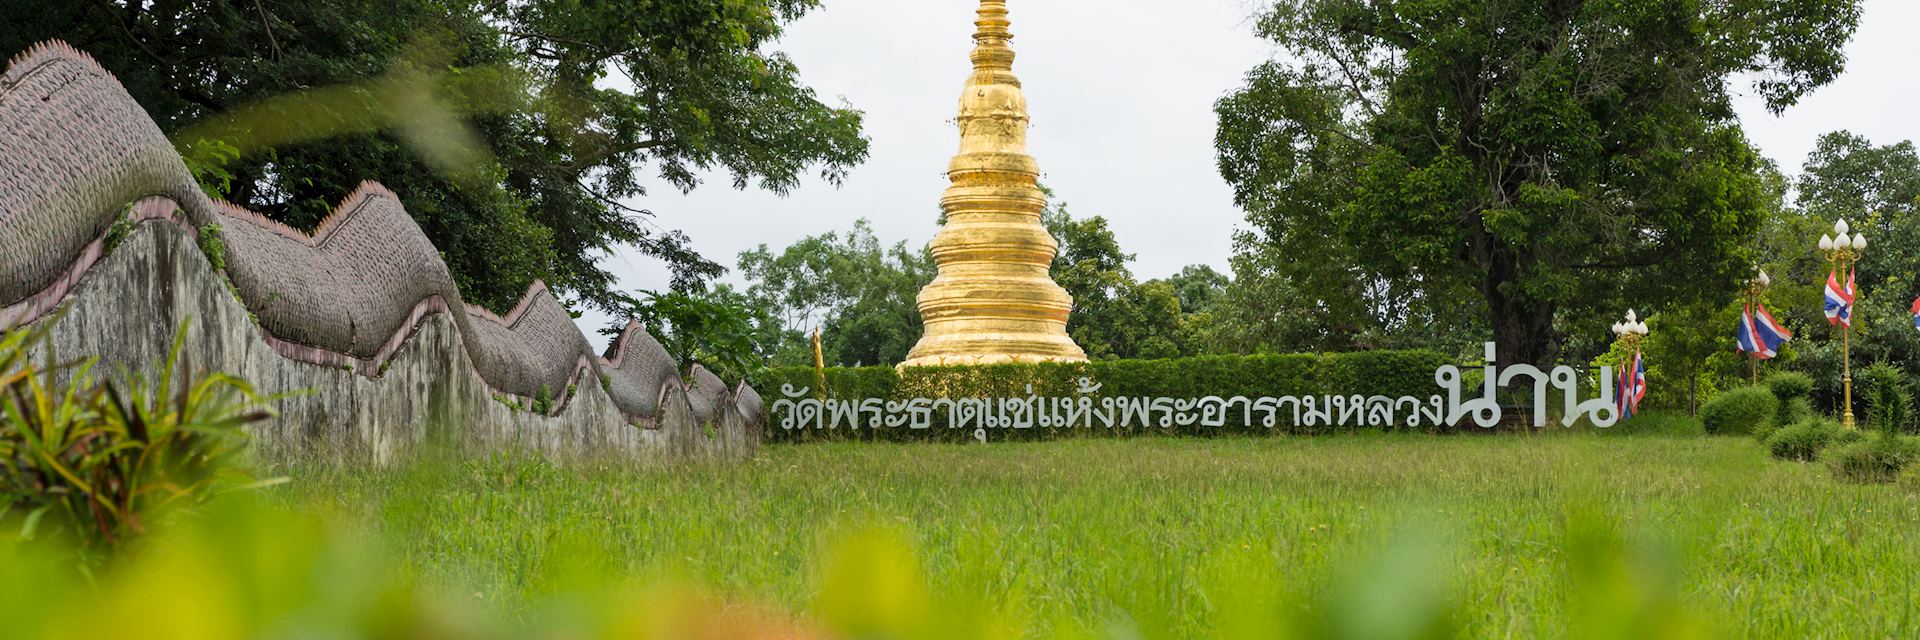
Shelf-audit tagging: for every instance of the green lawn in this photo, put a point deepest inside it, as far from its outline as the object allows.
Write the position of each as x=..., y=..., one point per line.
x=1499, y=535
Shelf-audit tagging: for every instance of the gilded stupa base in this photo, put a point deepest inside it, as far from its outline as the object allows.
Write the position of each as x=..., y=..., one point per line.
x=994, y=301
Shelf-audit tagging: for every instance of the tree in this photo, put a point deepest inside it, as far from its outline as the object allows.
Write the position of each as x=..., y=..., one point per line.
x=718, y=327
x=1558, y=160
x=860, y=293
x=1877, y=190
x=1113, y=316
x=1199, y=287
x=571, y=104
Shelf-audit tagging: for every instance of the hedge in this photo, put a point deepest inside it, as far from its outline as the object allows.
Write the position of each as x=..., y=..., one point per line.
x=1741, y=411
x=1368, y=373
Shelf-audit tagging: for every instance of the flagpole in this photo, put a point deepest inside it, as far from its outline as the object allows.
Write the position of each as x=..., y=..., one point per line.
x=1630, y=385
x=1844, y=252
x=1753, y=357
x=1846, y=366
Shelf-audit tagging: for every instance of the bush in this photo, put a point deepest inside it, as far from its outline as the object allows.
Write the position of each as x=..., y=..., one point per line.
x=1804, y=440
x=95, y=463
x=1740, y=411
x=1876, y=459
x=1791, y=389
x=1801, y=441
x=1793, y=411
x=213, y=244
x=1888, y=406
x=543, y=401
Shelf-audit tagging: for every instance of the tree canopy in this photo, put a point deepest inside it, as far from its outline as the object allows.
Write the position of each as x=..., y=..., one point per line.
x=1549, y=163
x=1113, y=315
x=859, y=293
x=573, y=107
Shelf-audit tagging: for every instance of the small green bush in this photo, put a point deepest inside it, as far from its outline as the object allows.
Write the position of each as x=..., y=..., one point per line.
x=121, y=228
x=1791, y=389
x=1804, y=440
x=1889, y=408
x=1739, y=412
x=1793, y=411
x=96, y=463
x=543, y=401
x=1876, y=459
x=212, y=244
x=1787, y=385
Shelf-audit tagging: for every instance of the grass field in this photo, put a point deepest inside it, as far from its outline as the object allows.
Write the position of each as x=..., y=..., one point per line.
x=1559, y=535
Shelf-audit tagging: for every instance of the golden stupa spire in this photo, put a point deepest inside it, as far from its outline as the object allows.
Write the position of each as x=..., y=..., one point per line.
x=993, y=301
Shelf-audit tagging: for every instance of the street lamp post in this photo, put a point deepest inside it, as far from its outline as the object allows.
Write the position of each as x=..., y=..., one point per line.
x=1756, y=287
x=1629, y=334
x=1843, y=252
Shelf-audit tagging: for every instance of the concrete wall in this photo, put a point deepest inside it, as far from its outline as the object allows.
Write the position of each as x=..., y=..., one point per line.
x=128, y=307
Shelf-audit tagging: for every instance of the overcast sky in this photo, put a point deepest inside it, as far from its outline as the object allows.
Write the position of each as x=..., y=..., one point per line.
x=1121, y=93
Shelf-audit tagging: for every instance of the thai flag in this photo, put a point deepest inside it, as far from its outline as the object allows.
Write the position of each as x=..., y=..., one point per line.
x=1633, y=387
x=1839, y=300
x=1916, y=313
x=1768, y=332
x=1747, y=337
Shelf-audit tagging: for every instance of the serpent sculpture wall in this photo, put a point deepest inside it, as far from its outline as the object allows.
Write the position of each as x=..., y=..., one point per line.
x=361, y=314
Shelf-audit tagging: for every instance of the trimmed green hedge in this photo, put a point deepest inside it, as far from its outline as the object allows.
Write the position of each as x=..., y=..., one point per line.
x=1368, y=373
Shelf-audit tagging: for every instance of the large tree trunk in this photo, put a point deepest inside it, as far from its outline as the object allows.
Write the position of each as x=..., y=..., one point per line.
x=1522, y=326
x=1523, y=331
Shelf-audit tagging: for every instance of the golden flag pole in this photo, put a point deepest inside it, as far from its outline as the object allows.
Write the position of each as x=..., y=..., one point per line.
x=1844, y=253
x=819, y=367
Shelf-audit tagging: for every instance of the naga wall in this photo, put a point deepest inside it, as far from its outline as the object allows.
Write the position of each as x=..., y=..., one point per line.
x=360, y=315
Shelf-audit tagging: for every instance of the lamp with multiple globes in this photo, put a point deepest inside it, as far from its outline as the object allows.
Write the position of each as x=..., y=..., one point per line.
x=1843, y=251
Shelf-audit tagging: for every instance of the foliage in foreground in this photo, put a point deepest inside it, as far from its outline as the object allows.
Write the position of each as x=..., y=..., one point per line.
x=1162, y=537
x=97, y=463
x=248, y=569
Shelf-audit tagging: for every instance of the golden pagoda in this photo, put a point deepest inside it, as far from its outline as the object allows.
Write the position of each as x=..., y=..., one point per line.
x=993, y=301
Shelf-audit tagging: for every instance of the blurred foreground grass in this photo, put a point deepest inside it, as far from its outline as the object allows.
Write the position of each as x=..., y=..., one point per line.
x=1361, y=536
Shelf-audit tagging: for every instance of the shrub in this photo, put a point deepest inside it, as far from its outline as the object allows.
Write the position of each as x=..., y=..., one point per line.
x=1740, y=411
x=543, y=401
x=1807, y=439
x=1804, y=440
x=122, y=226
x=212, y=244
x=1793, y=411
x=1888, y=406
x=1876, y=459
x=1791, y=389
x=97, y=462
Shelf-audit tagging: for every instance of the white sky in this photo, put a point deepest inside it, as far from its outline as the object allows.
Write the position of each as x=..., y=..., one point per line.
x=1121, y=93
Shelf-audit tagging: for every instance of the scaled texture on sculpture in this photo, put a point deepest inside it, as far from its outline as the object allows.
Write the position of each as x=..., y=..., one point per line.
x=77, y=155
x=994, y=300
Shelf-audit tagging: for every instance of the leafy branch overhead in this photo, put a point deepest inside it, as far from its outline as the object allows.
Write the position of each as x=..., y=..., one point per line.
x=520, y=134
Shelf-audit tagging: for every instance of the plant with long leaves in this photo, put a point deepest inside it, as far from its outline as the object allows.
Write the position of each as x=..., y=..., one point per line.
x=84, y=459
